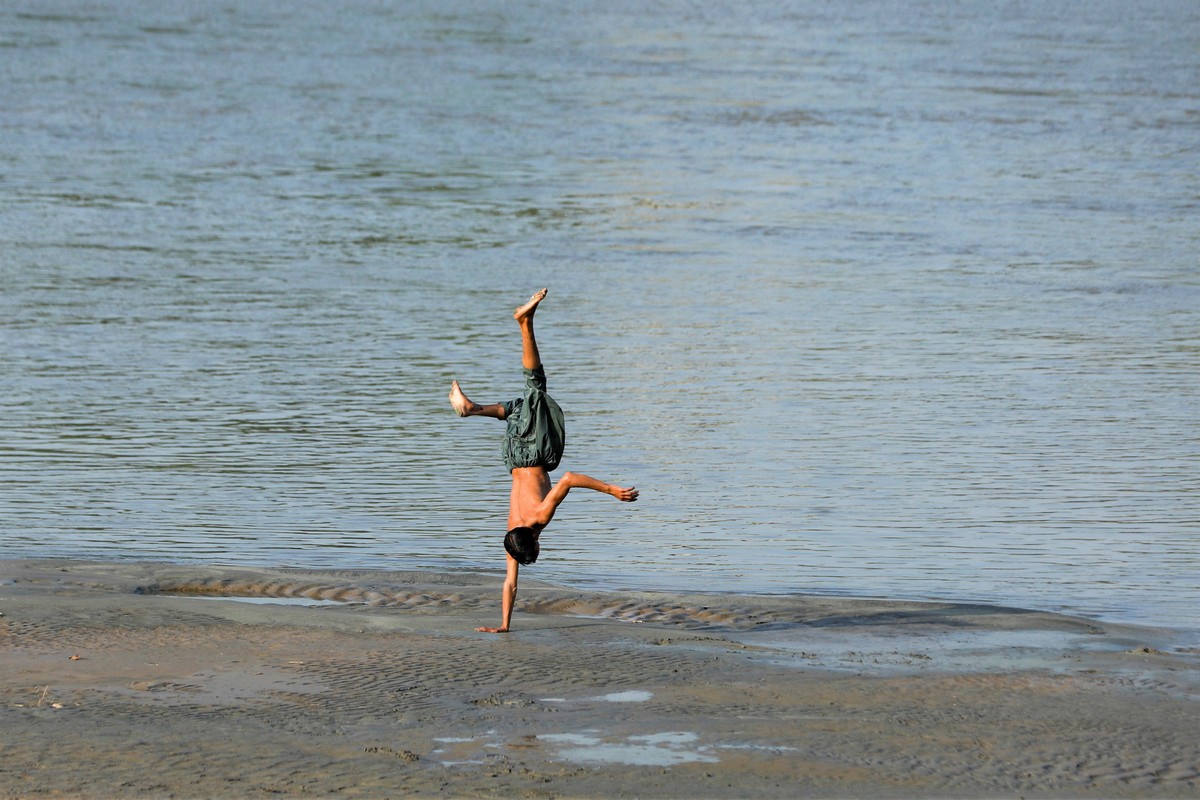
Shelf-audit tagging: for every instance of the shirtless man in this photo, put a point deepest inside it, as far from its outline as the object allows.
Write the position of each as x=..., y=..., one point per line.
x=533, y=445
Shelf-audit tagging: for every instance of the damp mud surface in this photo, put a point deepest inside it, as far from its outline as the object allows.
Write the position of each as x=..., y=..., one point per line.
x=123, y=680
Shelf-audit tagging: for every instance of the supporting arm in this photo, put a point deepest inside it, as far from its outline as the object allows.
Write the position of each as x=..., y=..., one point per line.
x=507, y=598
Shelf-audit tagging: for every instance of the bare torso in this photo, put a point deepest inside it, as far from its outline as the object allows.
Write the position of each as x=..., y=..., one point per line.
x=530, y=485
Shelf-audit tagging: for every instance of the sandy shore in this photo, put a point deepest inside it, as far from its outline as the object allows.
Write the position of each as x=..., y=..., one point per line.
x=136, y=680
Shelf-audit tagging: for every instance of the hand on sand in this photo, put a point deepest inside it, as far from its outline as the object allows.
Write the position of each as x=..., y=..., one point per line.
x=491, y=630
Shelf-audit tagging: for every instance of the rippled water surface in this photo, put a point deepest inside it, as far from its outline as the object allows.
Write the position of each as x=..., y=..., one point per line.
x=889, y=299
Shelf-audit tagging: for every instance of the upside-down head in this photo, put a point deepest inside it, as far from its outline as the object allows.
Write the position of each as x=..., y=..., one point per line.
x=522, y=544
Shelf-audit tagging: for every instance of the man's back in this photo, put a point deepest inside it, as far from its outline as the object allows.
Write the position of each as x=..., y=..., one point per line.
x=530, y=485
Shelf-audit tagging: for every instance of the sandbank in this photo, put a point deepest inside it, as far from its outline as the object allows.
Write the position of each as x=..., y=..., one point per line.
x=155, y=680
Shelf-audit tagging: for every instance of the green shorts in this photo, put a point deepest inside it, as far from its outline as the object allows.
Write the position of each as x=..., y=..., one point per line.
x=536, y=432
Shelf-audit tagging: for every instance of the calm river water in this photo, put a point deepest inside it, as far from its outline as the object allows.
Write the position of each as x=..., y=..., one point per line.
x=884, y=298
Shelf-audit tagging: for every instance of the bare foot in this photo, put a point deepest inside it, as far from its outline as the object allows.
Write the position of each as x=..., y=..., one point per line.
x=526, y=311
x=461, y=403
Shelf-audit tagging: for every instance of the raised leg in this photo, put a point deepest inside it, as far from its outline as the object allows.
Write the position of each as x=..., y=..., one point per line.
x=530, y=358
x=466, y=407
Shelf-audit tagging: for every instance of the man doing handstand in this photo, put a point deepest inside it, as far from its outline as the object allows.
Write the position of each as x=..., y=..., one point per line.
x=533, y=445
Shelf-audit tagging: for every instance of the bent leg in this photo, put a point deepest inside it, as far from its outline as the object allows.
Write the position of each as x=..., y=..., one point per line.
x=466, y=407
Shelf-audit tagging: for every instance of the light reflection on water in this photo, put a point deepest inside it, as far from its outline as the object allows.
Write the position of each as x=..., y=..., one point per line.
x=874, y=303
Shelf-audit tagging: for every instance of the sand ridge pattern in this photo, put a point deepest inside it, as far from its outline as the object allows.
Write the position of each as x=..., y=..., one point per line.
x=107, y=692
x=695, y=612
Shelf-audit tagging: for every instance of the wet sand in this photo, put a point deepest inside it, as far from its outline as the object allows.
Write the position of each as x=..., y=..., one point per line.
x=141, y=680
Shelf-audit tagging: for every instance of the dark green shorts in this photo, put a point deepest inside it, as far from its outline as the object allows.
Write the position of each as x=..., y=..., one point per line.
x=536, y=432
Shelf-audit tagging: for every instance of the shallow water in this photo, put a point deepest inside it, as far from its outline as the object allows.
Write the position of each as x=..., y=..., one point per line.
x=898, y=300
x=652, y=750
x=267, y=601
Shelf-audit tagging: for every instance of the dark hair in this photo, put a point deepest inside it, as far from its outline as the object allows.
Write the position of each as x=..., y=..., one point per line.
x=522, y=544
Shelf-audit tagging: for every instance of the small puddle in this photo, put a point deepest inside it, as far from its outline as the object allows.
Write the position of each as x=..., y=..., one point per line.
x=634, y=696
x=631, y=696
x=274, y=601
x=654, y=750
x=915, y=648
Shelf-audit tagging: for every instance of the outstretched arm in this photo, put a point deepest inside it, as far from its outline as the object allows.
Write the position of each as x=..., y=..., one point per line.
x=507, y=598
x=574, y=480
